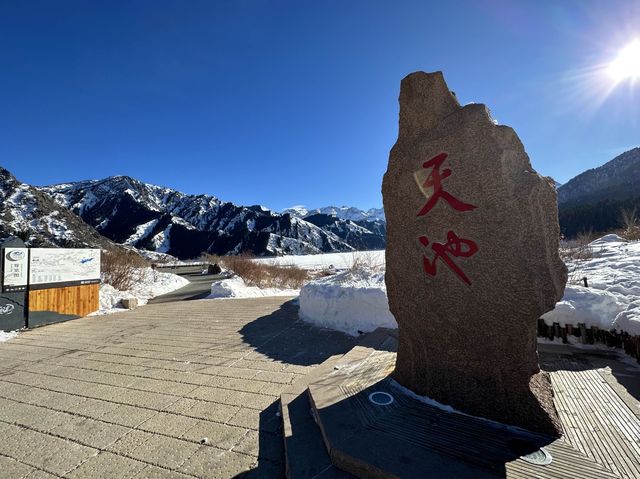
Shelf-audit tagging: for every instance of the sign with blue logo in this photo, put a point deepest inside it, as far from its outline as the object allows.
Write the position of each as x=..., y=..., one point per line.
x=15, y=267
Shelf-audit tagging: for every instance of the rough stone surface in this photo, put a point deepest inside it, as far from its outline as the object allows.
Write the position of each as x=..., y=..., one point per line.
x=472, y=258
x=130, y=303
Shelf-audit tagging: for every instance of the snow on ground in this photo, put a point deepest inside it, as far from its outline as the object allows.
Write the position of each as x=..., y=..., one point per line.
x=612, y=300
x=235, y=287
x=6, y=336
x=338, y=261
x=149, y=284
x=354, y=301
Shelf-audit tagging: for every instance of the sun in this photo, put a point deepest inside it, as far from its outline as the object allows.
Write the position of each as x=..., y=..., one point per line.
x=627, y=63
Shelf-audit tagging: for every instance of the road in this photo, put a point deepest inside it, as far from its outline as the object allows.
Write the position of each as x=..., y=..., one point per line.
x=199, y=287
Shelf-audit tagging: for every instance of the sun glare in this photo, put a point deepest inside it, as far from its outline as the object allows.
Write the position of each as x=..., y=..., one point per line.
x=627, y=63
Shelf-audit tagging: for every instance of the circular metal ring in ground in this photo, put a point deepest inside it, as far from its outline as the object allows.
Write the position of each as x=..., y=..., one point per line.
x=380, y=398
x=541, y=457
x=529, y=452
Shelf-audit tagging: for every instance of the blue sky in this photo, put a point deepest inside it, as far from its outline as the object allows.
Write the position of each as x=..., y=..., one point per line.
x=295, y=102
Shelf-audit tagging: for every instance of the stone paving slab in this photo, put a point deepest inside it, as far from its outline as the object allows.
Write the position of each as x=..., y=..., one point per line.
x=135, y=394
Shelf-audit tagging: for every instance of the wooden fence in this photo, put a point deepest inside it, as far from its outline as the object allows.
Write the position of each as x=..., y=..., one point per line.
x=593, y=335
x=71, y=300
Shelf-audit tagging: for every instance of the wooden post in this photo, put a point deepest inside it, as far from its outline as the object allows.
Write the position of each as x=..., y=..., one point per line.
x=583, y=333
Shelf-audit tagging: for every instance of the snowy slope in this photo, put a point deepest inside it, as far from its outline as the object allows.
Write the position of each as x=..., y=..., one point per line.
x=161, y=219
x=33, y=216
x=594, y=200
x=363, y=230
x=616, y=179
x=612, y=300
x=340, y=212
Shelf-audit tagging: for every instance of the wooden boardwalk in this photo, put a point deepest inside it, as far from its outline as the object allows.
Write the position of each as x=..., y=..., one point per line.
x=601, y=425
x=597, y=421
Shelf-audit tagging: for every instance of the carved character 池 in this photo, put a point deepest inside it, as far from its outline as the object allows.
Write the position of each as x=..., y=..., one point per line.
x=456, y=247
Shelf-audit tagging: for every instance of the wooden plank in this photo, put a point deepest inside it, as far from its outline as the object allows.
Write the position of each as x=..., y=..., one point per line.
x=614, y=416
x=596, y=420
x=72, y=300
x=594, y=443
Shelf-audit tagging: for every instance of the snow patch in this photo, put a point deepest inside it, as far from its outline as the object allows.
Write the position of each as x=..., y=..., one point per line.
x=7, y=335
x=353, y=302
x=142, y=231
x=162, y=241
x=149, y=284
x=235, y=287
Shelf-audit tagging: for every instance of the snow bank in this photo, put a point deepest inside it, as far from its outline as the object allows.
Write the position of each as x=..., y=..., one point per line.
x=235, y=287
x=352, y=302
x=149, y=284
x=612, y=301
x=6, y=336
x=584, y=305
x=356, y=300
x=629, y=319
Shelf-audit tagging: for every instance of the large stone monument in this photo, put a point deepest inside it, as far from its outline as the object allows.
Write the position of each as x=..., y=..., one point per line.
x=472, y=258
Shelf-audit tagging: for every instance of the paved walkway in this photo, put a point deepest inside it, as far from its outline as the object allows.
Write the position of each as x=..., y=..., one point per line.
x=174, y=390
x=199, y=287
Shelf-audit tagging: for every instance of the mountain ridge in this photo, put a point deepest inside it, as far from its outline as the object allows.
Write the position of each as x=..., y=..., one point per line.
x=37, y=219
x=165, y=220
x=593, y=201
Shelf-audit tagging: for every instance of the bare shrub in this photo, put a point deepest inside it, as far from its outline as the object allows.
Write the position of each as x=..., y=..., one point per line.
x=210, y=258
x=630, y=224
x=120, y=268
x=574, y=253
x=364, y=260
x=264, y=275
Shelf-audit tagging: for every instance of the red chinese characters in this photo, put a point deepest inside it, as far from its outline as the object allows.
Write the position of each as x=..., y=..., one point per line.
x=455, y=247
x=434, y=180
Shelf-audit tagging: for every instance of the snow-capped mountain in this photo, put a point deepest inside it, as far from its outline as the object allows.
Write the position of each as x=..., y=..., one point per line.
x=34, y=217
x=593, y=200
x=340, y=212
x=160, y=219
x=362, y=235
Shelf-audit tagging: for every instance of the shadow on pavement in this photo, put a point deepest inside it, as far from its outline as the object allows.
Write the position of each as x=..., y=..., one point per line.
x=282, y=337
x=270, y=446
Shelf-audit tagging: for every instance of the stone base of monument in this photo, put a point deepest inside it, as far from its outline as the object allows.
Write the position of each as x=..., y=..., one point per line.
x=350, y=419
